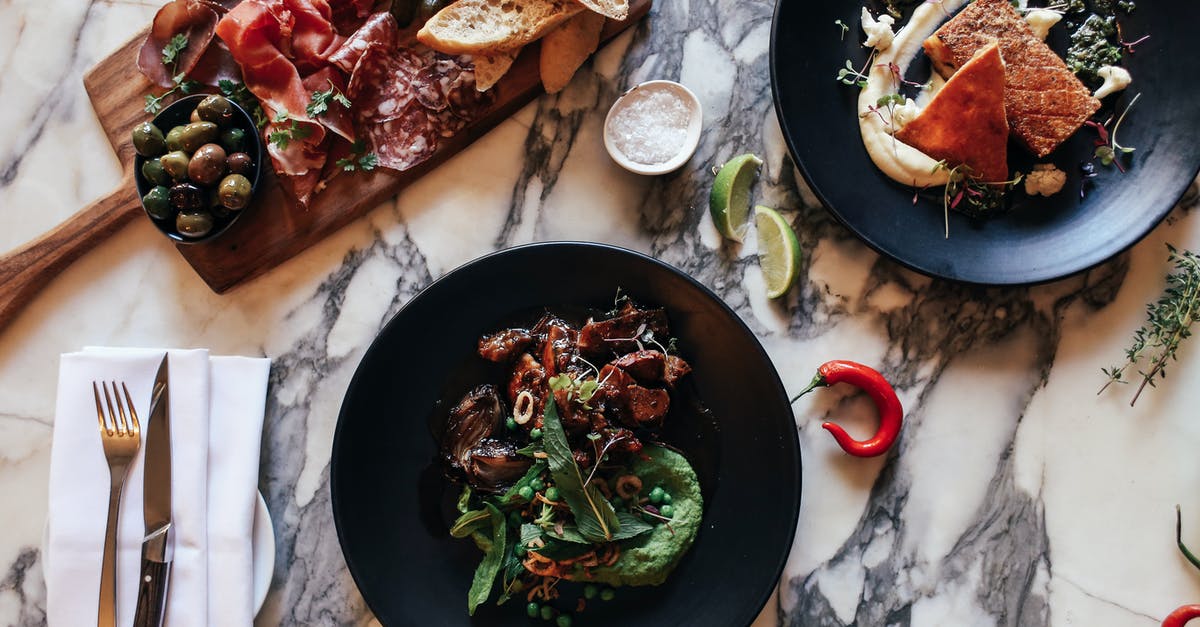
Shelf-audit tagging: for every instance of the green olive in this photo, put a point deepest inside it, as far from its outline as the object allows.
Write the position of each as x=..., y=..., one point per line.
x=194, y=223
x=148, y=140
x=195, y=116
x=186, y=197
x=175, y=164
x=174, y=138
x=207, y=165
x=240, y=163
x=153, y=171
x=215, y=109
x=235, y=191
x=232, y=138
x=156, y=203
x=197, y=134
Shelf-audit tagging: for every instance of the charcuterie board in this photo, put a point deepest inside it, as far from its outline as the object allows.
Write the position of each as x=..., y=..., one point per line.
x=274, y=229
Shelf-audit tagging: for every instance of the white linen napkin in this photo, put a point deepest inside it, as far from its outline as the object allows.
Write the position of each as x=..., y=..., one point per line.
x=216, y=427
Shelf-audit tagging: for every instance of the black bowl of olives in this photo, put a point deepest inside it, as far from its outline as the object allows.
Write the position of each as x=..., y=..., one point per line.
x=197, y=166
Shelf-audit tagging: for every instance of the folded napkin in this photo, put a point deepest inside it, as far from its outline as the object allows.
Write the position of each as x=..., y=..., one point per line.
x=217, y=406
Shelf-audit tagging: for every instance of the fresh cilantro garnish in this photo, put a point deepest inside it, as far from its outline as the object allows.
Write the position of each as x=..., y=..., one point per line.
x=171, y=51
x=282, y=136
x=359, y=158
x=238, y=93
x=320, y=100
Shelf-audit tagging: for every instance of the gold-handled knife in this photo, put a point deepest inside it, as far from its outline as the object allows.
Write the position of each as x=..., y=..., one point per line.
x=157, y=547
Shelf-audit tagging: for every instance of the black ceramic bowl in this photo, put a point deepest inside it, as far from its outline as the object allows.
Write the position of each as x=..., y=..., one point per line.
x=393, y=506
x=176, y=114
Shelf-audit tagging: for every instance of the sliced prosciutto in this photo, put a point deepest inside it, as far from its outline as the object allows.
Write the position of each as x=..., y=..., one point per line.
x=261, y=35
x=193, y=19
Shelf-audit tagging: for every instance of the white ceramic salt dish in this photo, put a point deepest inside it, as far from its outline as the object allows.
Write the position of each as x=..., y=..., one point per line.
x=691, y=137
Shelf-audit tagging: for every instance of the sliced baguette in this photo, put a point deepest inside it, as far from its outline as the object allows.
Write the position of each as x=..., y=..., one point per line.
x=490, y=26
x=616, y=9
x=565, y=48
x=490, y=68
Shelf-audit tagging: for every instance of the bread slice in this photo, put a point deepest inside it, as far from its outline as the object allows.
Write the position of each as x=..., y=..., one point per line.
x=964, y=124
x=490, y=26
x=565, y=48
x=490, y=68
x=616, y=9
x=1045, y=102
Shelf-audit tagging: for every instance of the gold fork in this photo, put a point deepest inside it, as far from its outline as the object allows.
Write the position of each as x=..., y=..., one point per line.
x=121, y=435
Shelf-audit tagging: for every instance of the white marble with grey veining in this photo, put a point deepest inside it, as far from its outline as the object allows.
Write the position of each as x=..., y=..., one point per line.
x=1016, y=495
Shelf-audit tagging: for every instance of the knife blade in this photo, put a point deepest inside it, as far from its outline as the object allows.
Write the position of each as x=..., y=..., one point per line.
x=157, y=547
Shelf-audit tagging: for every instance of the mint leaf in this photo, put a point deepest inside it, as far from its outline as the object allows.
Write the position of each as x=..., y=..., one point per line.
x=485, y=574
x=594, y=515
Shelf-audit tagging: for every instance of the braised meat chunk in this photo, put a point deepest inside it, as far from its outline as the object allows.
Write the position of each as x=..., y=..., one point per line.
x=623, y=332
x=503, y=346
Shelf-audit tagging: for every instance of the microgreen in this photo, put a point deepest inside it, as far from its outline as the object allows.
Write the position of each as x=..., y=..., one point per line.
x=1168, y=323
x=851, y=76
x=843, y=27
x=282, y=136
x=320, y=100
x=969, y=195
x=1108, y=149
x=580, y=391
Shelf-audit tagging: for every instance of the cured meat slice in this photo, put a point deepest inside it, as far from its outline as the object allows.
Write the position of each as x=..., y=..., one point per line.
x=378, y=31
x=336, y=117
x=193, y=19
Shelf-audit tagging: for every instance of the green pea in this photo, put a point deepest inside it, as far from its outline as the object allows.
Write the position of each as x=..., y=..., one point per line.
x=525, y=492
x=590, y=591
x=535, y=433
x=656, y=495
x=667, y=498
x=511, y=424
x=552, y=493
x=608, y=594
x=538, y=485
x=547, y=612
x=533, y=609
x=563, y=620
x=667, y=511
x=519, y=550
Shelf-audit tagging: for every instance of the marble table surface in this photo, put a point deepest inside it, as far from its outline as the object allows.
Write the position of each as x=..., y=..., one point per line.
x=1016, y=496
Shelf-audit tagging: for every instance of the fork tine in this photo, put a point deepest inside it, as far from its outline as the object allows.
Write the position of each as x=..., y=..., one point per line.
x=100, y=410
x=125, y=428
x=136, y=426
x=112, y=414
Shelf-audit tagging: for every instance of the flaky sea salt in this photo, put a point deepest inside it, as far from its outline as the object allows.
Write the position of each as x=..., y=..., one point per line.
x=650, y=126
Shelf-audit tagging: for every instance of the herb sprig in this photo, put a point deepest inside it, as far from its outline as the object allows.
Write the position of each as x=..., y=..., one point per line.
x=170, y=56
x=319, y=104
x=970, y=195
x=283, y=136
x=238, y=93
x=358, y=159
x=1168, y=323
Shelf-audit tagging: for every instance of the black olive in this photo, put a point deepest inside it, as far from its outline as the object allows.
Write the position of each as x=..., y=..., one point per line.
x=186, y=197
x=240, y=163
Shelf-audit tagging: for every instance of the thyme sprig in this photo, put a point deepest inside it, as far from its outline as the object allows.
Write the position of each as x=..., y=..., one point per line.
x=1168, y=324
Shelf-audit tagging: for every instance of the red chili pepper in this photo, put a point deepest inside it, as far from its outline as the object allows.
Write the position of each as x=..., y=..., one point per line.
x=1181, y=616
x=887, y=403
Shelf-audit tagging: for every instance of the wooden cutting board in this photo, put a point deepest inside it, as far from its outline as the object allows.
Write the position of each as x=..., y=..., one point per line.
x=273, y=230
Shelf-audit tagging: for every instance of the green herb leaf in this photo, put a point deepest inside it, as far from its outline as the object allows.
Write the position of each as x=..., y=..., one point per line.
x=594, y=515
x=171, y=51
x=485, y=574
x=464, y=499
x=570, y=534
x=470, y=522
x=631, y=526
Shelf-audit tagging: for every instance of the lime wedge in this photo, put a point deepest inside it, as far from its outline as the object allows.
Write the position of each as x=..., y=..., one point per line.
x=729, y=200
x=778, y=251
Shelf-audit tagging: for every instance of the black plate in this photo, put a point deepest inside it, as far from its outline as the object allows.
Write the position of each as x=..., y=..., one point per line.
x=392, y=506
x=1041, y=238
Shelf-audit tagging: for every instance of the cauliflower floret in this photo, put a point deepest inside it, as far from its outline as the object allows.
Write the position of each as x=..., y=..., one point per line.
x=879, y=32
x=1040, y=20
x=1045, y=179
x=1115, y=79
x=905, y=113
